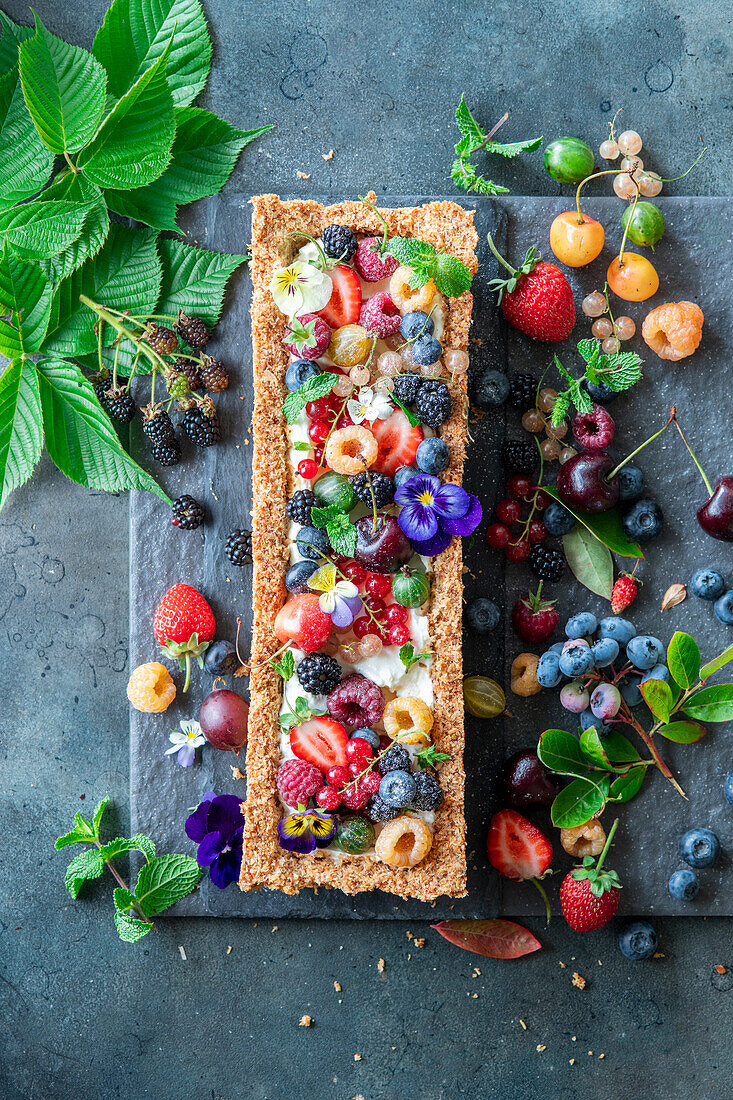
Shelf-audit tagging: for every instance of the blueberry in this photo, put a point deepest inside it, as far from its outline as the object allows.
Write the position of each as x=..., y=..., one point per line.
x=699, y=847
x=397, y=788
x=644, y=651
x=576, y=660
x=426, y=350
x=221, y=659
x=683, y=885
x=581, y=625
x=367, y=734
x=404, y=473
x=490, y=390
x=728, y=789
x=557, y=647
x=483, y=615
x=621, y=630
x=659, y=672
x=548, y=670
x=298, y=575
x=299, y=372
x=605, y=701
x=415, y=324
x=601, y=393
x=707, y=584
x=557, y=519
x=631, y=483
x=433, y=455
x=637, y=940
x=574, y=697
x=605, y=652
x=588, y=719
x=311, y=541
x=723, y=608
x=630, y=693
x=643, y=521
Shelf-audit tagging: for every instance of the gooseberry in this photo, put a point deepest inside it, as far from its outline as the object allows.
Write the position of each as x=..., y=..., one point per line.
x=483, y=697
x=568, y=160
x=644, y=222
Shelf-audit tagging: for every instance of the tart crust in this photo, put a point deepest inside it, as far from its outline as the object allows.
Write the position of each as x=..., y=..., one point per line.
x=264, y=863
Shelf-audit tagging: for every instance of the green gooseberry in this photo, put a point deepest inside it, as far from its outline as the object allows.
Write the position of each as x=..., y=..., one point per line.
x=645, y=223
x=569, y=160
x=355, y=835
x=483, y=697
x=332, y=488
x=410, y=588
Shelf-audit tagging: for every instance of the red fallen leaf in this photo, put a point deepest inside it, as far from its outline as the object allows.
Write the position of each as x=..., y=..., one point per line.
x=496, y=939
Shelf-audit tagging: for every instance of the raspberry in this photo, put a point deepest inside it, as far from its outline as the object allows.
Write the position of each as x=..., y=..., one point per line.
x=406, y=387
x=162, y=340
x=318, y=673
x=150, y=688
x=522, y=391
x=394, y=760
x=433, y=403
x=187, y=513
x=339, y=242
x=547, y=564
x=192, y=330
x=121, y=404
x=372, y=264
x=382, y=486
x=520, y=455
x=157, y=425
x=623, y=593
x=673, y=330
x=299, y=506
x=214, y=377
x=297, y=781
x=378, y=811
x=238, y=547
x=594, y=430
x=201, y=425
x=428, y=795
x=356, y=702
x=322, y=333
x=380, y=316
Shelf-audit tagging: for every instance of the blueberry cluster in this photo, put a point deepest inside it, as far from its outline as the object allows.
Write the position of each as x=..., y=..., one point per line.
x=709, y=584
x=698, y=848
x=430, y=399
x=401, y=788
x=641, y=518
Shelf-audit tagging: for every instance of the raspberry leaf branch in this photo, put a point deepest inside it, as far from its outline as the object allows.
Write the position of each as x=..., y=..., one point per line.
x=619, y=372
x=465, y=174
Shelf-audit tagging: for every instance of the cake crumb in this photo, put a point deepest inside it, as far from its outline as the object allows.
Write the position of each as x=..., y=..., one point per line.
x=572, y=1061
x=720, y=968
x=357, y=1057
x=337, y=986
x=573, y=1038
x=578, y=980
x=303, y=175
x=419, y=942
x=236, y=773
x=305, y=1021
x=524, y=1026
x=229, y=949
x=328, y=155
x=409, y=935
x=475, y=997
x=381, y=965
x=476, y=972
x=562, y=965
x=541, y=1047
x=601, y=1055
x=659, y=955
x=590, y=1053
x=182, y=952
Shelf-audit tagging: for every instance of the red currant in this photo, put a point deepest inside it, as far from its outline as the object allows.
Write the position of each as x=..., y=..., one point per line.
x=320, y=409
x=519, y=487
x=537, y=531
x=509, y=511
x=318, y=455
x=328, y=798
x=498, y=535
x=377, y=584
x=384, y=742
x=396, y=614
x=355, y=768
x=398, y=635
x=363, y=626
x=518, y=551
x=375, y=605
x=542, y=500
x=355, y=797
x=337, y=776
x=354, y=571
x=308, y=468
x=371, y=781
x=344, y=420
x=318, y=431
x=358, y=749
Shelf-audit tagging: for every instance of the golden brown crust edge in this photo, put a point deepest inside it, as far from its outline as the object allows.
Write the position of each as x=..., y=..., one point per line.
x=264, y=863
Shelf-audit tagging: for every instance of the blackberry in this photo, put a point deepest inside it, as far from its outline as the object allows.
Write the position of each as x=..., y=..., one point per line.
x=547, y=564
x=428, y=795
x=382, y=486
x=318, y=673
x=299, y=506
x=522, y=391
x=189, y=368
x=339, y=242
x=121, y=404
x=406, y=387
x=100, y=384
x=395, y=759
x=157, y=426
x=192, y=330
x=201, y=425
x=238, y=547
x=433, y=403
x=377, y=810
x=162, y=340
x=520, y=455
x=214, y=377
x=167, y=452
x=187, y=513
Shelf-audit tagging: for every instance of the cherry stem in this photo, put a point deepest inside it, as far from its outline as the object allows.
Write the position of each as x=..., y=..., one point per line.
x=607, y=845
x=630, y=217
x=641, y=447
x=592, y=176
x=674, y=179
x=536, y=883
x=708, y=486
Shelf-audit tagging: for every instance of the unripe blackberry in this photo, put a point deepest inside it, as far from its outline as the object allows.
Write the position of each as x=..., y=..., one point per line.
x=192, y=330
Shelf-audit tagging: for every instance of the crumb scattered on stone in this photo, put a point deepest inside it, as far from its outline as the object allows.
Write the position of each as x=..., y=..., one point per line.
x=578, y=980
x=182, y=953
x=303, y=175
x=572, y=1061
x=409, y=935
x=475, y=997
x=541, y=1047
x=659, y=955
x=236, y=773
x=274, y=928
x=562, y=965
x=357, y=1057
x=328, y=155
x=229, y=949
x=524, y=1026
x=381, y=965
x=590, y=1053
x=720, y=968
x=337, y=986
x=420, y=942
x=476, y=972
x=601, y=1055
x=305, y=1021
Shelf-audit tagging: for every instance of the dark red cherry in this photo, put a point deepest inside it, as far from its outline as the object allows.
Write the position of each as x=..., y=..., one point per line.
x=527, y=781
x=383, y=547
x=583, y=482
x=715, y=516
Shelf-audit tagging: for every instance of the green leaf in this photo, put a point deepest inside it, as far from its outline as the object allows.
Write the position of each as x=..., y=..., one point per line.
x=625, y=787
x=321, y=517
x=658, y=697
x=465, y=175
x=204, y=153
x=342, y=534
x=711, y=704
x=136, y=32
x=409, y=657
x=619, y=749
x=164, y=881
x=132, y=146
x=64, y=89
x=123, y=898
x=88, y=864
x=131, y=929
x=74, y=836
x=411, y=251
x=717, y=662
x=99, y=813
x=468, y=125
x=451, y=276
x=194, y=280
x=40, y=229
x=75, y=188
x=512, y=149
x=593, y=749
x=579, y=801
x=26, y=296
x=21, y=426
x=79, y=436
x=606, y=526
x=560, y=409
x=589, y=560
x=560, y=752
x=25, y=162
x=589, y=350
x=13, y=36
x=683, y=733
x=126, y=270
x=683, y=659
x=286, y=666
x=121, y=844
x=429, y=757
x=620, y=371
x=313, y=388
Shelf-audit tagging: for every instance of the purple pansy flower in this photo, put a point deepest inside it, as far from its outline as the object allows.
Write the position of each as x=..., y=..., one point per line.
x=432, y=513
x=306, y=830
x=217, y=825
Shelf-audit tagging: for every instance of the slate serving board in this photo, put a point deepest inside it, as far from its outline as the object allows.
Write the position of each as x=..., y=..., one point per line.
x=694, y=262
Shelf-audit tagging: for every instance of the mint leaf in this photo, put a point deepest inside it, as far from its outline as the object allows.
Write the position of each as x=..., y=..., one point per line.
x=98, y=813
x=468, y=126
x=75, y=188
x=194, y=280
x=313, y=388
x=136, y=32
x=285, y=667
x=164, y=881
x=131, y=929
x=589, y=350
x=409, y=657
x=74, y=836
x=410, y=251
x=21, y=426
x=512, y=149
x=40, y=229
x=451, y=275
x=429, y=757
x=465, y=175
x=342, y=534
x=321, y=517
x=26, y=163
x=560, y=409
x=300, y=714
x=64, y=89
x=80, y=438
x=87, y=865
x=13, y=36
x=132, y=146
x=621, y=371
x=26, y=296
x=121, y=844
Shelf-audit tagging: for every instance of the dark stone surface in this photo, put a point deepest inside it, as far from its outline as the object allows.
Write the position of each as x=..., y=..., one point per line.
x=87, y=1016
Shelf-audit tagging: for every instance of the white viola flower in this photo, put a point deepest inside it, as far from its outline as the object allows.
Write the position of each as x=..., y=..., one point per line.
x=185, y=742
x=311, y=253
x=369, y=404
x=300, y=288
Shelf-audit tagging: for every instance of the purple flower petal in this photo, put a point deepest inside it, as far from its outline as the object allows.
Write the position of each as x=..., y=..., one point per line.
x=467, y=523
x=302, y=842
x=345, y=610
x=186, y=755
x=225, y=814
x=432, y=546
x=410, y=490
x=225, y=870
x=196, y=826
x=451, y=501
x=417, y=521
x=210, y=847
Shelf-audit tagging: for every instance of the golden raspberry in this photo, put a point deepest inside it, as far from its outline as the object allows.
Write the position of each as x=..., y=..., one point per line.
x=404, y=841
x=673, y=330
x=583, y=840
x=524, y=674
x=408, y=719
x=150, y=688
x=405, y=297
x=349, y=450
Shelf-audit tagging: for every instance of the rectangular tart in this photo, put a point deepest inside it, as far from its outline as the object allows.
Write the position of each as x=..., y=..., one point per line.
x=275, y=228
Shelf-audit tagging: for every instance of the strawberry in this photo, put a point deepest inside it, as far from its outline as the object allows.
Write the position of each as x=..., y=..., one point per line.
x=536, y=298
x=183, y=626
x=519, y=850
x=623, y=593
x=589, y=896
x=398, y=442
x=300, y=620
x=344, y=305
x=534, y=619
x=321, y=741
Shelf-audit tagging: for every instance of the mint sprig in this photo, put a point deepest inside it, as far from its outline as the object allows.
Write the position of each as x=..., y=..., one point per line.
x=619, y=372
x=285, y=667
x=450, y=275
x=429, y=757
x=409, y=657
x=318, y=385
x=300, y=713
x=464, y=173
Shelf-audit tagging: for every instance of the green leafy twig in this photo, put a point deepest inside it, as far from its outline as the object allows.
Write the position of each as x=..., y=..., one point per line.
x=465, y=174
x=619, y=372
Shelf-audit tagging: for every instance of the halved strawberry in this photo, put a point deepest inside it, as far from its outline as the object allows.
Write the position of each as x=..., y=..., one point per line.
x=344, y=305
x=516, y=847
x=321, y=741
x=398, y=442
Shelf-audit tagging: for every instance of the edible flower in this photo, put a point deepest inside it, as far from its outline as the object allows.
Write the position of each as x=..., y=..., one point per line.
x=339, y=597
x=300, y=288
x=370, y=404
x=185, y=742
x=217, y=825
x=305, y=830
x=433, y=512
